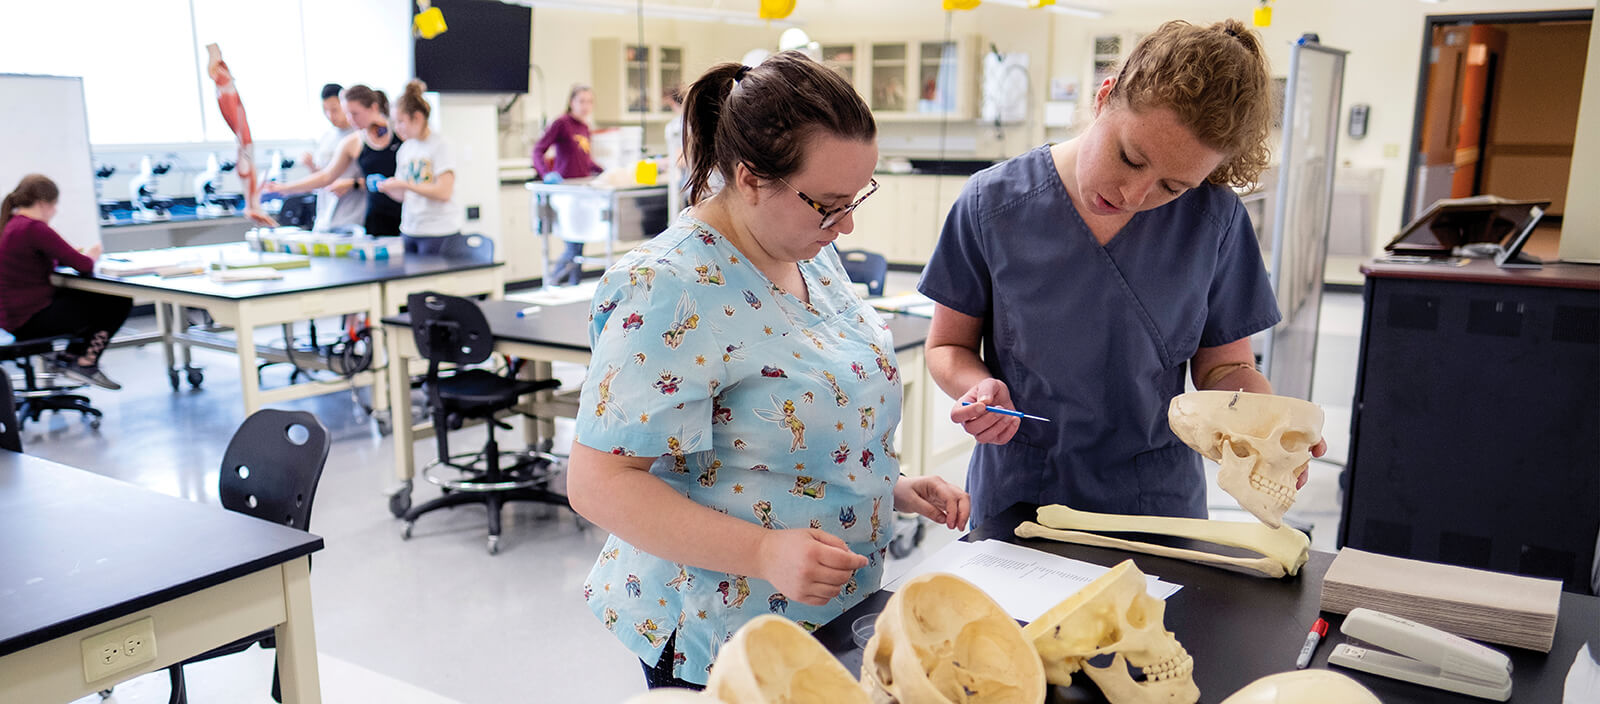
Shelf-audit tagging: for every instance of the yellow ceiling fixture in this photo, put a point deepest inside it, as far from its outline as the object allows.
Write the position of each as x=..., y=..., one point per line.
x=1263, y=14
x=950, y=5
x=429, y=22
x=775, y=9
x=1036, y=4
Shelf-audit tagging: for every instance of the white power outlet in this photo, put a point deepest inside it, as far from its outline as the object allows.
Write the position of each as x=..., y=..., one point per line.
x=121, y=648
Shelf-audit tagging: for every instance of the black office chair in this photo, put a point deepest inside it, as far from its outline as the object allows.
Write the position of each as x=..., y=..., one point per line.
x=865, y=267
x=43, y=391
x=452, y=330
x=10, y=439
x=270, y=470
x=473, y=248
x=299, y=210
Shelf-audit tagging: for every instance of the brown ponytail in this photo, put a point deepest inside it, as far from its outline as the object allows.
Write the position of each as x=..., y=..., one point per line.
x=34, y=189
x=762, y=116
x=412, y=102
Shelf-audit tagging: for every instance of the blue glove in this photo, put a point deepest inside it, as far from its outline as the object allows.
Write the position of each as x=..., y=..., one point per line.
x=373, y=180
x=553, y=177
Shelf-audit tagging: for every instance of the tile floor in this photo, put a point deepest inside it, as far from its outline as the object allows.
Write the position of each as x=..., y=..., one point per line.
x=435, y=619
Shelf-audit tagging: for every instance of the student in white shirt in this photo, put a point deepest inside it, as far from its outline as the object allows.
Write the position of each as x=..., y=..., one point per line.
x=424, y=178
x=338, y=210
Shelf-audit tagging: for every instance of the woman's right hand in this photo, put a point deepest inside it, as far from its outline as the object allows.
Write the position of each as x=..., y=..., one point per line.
x=983, y=426
x=807, y=565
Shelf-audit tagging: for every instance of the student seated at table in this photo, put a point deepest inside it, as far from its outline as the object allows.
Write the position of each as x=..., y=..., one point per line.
x=30, y=306
x=425, y=178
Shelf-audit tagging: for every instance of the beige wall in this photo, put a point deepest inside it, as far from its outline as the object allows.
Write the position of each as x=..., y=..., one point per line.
x=1384, y=38
x=1580, y=228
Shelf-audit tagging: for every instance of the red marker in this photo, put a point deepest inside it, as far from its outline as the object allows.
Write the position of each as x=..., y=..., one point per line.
x=1318, y=630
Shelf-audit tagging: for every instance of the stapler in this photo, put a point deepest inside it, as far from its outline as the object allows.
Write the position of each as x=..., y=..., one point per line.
x=1423, y=655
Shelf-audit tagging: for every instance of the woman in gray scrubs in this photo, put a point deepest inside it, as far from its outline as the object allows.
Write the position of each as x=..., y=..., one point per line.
x=1076, y=281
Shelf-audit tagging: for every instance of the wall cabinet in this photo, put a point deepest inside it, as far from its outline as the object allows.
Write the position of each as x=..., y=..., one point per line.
x=912, y=78
x=631, y=80
x=903, y=219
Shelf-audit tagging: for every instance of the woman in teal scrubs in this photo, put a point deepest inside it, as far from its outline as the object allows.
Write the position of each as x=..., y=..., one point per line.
x=1079, y=280
x=736, y=430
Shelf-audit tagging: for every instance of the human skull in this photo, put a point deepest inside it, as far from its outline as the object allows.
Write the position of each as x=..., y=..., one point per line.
x=1114, y=614
x=1262, y=441
x=771, y=660
x=941, y=640
x=1304, y=687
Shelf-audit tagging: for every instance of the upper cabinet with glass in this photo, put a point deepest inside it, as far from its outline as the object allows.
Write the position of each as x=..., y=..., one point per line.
x=632, y=80
x=910, y=79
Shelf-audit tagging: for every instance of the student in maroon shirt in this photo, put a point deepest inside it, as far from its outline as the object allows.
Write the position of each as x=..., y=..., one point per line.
x=30, y=306
x=569, y=135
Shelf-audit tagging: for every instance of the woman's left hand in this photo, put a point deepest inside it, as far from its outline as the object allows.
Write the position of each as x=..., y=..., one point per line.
x=392, y=187
x=933, y=497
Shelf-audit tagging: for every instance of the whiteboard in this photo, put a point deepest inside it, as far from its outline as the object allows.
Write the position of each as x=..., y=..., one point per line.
x=47, y=132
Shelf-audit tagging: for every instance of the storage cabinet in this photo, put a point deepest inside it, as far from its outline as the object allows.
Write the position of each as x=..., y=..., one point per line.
x=903, y=219
x=911, y=78
x=1474, y=436
x=631, y=80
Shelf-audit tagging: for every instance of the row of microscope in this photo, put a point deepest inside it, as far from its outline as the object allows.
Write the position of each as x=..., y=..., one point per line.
x=146, y=202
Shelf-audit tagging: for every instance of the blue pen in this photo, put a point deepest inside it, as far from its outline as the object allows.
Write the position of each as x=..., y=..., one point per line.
x=1008, y=412
x=525, y=312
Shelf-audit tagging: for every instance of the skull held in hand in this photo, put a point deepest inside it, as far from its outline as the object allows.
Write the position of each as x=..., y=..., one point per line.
x=1262, y=441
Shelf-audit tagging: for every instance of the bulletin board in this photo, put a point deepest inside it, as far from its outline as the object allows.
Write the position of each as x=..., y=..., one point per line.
x=1298, y=248
x=47, y=132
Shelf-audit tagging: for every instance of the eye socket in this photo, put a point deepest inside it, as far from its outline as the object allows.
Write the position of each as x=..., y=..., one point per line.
x=1124, y=154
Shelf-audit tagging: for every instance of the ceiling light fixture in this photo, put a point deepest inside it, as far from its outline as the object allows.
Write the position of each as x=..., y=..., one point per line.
x=662, y=11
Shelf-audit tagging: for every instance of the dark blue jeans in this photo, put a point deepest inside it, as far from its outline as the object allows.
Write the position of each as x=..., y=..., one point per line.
x=428, y=246
x=568, y=269
x=660, y=674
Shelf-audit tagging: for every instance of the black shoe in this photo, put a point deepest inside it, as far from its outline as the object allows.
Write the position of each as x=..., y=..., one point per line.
x=90, y=374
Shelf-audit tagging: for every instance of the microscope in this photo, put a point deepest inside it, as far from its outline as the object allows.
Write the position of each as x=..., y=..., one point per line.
x=142, y=191
x=276, y=166
x=206, y=202
x=107, y=207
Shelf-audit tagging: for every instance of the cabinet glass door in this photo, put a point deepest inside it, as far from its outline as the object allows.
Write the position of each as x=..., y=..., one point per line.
x=841, y=58
x=671, y=72
x=637, y=71
x=936, y=77
x=889, y=77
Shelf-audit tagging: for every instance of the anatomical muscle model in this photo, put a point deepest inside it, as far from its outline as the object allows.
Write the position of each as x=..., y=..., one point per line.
x=233, y=112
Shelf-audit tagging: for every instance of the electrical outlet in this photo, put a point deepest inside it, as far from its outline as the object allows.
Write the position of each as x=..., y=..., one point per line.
x=119, y=649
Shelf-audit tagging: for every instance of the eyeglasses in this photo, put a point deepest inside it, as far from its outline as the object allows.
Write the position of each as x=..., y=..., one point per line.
x=833, y=216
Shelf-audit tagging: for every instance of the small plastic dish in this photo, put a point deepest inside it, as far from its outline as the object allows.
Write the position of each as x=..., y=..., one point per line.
x=863, y=629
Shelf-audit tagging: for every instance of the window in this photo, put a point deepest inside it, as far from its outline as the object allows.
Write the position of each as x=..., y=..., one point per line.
x=143, y=63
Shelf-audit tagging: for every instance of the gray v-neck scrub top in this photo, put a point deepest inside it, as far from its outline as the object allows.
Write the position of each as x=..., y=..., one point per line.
x=1096, y=338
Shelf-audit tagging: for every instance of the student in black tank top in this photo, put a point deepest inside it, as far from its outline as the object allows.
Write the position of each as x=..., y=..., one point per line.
x=372, y=147
x=383, y=212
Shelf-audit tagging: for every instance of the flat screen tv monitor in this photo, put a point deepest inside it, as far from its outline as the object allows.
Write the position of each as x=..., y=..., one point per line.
x=484, y=50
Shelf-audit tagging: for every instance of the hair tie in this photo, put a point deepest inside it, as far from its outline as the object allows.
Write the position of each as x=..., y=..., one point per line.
x=1231, y=32
x=740, y=74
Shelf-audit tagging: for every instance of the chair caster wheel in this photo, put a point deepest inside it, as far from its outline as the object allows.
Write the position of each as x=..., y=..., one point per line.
x=400, y=502
x=195, y=378
x=405, y=531
x=105, y=694
x=494, y=545
x=173, y=378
